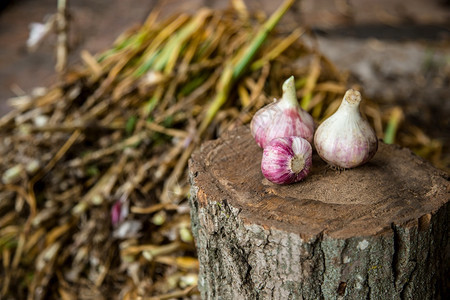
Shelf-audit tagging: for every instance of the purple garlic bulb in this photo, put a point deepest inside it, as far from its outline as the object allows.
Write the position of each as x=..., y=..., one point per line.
x=284, y=117
x=286, y=159
x=346, y=140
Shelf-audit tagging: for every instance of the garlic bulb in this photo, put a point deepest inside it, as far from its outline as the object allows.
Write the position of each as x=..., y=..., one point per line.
x=282, y=118
x=286, y=159
x=346, y=139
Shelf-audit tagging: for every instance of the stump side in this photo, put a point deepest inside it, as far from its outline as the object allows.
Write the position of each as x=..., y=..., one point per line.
x=394, y=187
x=376, y=232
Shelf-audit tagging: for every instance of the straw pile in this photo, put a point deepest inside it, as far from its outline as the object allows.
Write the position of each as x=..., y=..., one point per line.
x=93, y=189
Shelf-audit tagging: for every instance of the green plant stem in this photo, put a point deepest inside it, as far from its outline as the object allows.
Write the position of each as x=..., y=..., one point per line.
x=258, y=40
x=392, y=126
x=223, y=90
x=236, y=67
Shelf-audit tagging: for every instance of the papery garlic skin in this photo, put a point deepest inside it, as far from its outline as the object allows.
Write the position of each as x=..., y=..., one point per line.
x=286, y=159
x=284, y=117
x=346, y=140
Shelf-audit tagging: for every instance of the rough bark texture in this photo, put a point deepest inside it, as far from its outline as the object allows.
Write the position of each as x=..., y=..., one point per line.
x=379, y=231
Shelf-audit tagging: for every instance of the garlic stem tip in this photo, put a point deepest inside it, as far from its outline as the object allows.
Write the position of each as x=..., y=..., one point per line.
x=289, y=91
x=289, y=84
x=352, y=96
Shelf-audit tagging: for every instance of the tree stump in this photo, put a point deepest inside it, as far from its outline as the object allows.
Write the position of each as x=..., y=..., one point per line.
x=379, y=231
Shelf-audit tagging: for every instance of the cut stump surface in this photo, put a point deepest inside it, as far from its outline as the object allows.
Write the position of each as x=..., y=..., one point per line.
x=378, y=231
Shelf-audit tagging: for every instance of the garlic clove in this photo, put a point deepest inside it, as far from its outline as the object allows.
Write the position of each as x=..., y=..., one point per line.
x=286, y=160
x=346, y=140
x=282, y=118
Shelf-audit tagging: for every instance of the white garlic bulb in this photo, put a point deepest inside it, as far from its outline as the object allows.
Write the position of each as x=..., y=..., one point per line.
x=346, y=140
x=282, y=118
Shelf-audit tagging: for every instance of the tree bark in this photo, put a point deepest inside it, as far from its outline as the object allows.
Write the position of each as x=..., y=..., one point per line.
x=379, y=231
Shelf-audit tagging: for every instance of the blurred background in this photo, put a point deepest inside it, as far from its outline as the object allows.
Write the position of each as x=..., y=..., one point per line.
x=398, y=50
